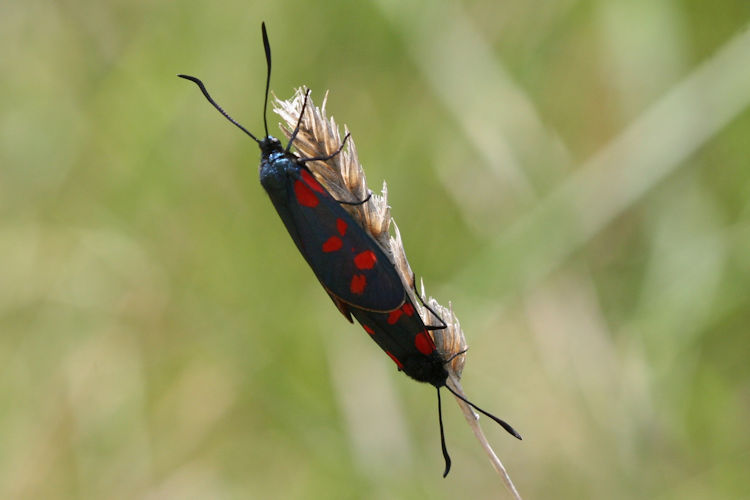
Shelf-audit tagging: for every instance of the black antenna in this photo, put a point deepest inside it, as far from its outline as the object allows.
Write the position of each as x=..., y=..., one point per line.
x=213, y=103
x=442, y=437
x=502, y=423
x=267, y=46
x=195, y=80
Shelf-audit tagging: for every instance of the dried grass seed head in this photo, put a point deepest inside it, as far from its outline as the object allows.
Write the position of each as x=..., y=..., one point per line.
x=344, y=177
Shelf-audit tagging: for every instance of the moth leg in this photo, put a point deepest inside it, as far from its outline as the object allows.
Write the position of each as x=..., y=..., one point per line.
x=325, y=157
x=342, y=202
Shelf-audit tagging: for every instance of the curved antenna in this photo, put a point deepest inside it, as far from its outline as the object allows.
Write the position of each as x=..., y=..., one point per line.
x=502, y=423
x=442, y=437
x=267, y=47
x=213, y=103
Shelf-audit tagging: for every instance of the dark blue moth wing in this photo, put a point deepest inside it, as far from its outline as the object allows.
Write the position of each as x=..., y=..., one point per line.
x=401, y=333
x=346, y=260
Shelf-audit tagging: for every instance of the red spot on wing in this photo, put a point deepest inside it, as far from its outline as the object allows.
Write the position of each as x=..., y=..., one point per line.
x=312, y=182
x=365, y=260
x=369, y=330
x=408, y=309
x=304, y=194
x=395, y=359
x=332, y=244
x=424, y=343
x=341, y=226
x=394, y=315
x=358, y=284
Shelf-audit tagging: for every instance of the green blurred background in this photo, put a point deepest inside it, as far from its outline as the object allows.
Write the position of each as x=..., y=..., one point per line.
x=573, y=176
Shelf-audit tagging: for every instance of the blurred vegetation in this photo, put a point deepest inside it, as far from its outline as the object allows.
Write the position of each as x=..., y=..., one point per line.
x=573, y=176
